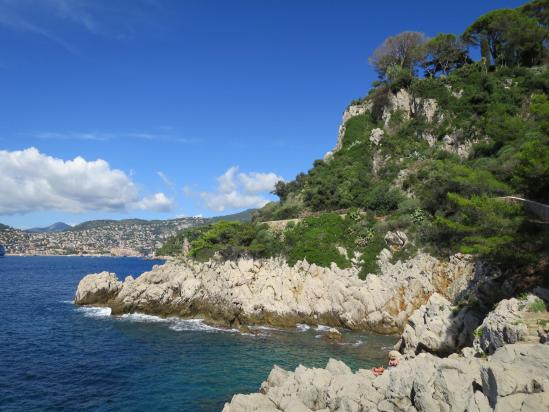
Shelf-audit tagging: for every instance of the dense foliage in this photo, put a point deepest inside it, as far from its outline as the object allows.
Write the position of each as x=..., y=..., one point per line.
x=415, y=178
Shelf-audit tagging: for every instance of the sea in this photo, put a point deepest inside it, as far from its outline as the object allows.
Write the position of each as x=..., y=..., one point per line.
x=55, y=356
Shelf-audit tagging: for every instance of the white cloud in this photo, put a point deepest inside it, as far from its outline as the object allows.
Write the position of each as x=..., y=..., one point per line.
x=31, y=181
x=226, y=182
x=240, y=190
x=165, y=179
x=158, y=202
x=255, y=182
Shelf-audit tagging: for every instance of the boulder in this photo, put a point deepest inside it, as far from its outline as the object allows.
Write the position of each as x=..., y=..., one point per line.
x=502, y=326
x=396, y=239
x=97, y=288
x=334, y=335
x=438, y=328
x=515, y=378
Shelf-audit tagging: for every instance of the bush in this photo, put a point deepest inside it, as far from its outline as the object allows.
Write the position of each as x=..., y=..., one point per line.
x=316, y=239
x=536, y=306
x=232, y=240
x=174, y=244
x=369, y=255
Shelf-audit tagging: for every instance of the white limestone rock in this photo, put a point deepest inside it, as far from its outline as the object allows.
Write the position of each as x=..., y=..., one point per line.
x=272, y=292
x=376, y=135
x=435, y=328
x=515, y=378
x=98, y=288
x=396, y=239
x=502, y=326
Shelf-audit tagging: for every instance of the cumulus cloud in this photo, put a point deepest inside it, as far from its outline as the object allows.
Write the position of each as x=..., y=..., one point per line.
x=240, y=190
x=158, y=202
x=258, y=182
x=31, y=181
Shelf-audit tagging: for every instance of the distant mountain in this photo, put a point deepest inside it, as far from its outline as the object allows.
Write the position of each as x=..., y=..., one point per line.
x=244, y=216
x=4, y=227
x=95, y=224
x=56, y=227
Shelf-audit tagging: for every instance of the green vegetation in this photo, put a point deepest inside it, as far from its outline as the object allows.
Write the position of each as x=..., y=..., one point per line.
x=174, y=245
x=232, y=240
x=321, y=240
x=536, y=306
x=478, y=332
x=440, y=177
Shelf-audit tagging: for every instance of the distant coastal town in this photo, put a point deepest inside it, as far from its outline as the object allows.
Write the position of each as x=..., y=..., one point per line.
x=101, y=238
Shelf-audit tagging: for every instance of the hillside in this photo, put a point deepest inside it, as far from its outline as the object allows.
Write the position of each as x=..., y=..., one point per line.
x=102, y=237
x=55, y=227
x=425, y=160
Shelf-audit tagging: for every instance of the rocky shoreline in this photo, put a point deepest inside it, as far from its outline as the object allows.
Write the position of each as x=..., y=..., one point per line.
x=458, y=355
x=269, y=292
x=515, y=378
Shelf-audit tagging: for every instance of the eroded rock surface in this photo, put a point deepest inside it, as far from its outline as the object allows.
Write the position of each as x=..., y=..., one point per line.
x=515, y=378
x=97, y=288
x=439, y=328
x=271, y=292
x=506, y=324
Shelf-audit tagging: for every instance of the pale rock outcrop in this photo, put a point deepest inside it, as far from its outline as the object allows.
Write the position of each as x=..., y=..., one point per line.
x=502, y=326
x=437, y=328
x=351, y=111
x=401, y=101
x=271, y=292
x=409, y=106
x=396, y=239
x=376, y=135
x=97, y=288
x=515, y=378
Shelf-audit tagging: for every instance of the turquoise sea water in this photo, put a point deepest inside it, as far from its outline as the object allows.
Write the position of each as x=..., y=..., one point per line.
x=56, y=356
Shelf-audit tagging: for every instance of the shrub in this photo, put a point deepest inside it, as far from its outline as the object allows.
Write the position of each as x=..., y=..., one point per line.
x=536, y=306
x=232, y=240
x=316, y=239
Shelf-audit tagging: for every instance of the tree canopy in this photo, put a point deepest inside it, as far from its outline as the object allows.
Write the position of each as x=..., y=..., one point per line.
x=511, y=37
x=403, y=51
x=443, y=53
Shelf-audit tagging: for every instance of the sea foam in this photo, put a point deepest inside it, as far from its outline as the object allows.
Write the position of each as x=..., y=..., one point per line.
x=94, y=311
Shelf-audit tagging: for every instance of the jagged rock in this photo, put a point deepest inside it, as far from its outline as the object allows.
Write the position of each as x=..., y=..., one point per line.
x=98, y=288
x=376, y=135
x=402, y=102
x=502, y=326
x=543, y=333
x=334, y=334
x=435, y=328
x=396, y=239
x=272, y=292
x=516, y=377
x=427, y=107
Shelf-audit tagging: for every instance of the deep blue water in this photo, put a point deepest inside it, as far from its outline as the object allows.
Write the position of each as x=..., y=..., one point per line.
x=56, y=356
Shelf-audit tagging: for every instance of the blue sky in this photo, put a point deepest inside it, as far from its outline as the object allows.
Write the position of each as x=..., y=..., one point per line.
x=193, y=107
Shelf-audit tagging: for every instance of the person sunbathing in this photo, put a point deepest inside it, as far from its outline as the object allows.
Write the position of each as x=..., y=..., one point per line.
x=394, y=360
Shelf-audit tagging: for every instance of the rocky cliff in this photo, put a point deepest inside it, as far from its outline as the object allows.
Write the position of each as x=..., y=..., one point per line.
x=406, y=106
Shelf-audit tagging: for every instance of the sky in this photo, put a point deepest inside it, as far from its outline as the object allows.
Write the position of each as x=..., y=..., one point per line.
x=164, y=108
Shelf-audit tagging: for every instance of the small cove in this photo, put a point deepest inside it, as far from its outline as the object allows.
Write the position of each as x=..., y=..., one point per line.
x=59, y=356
